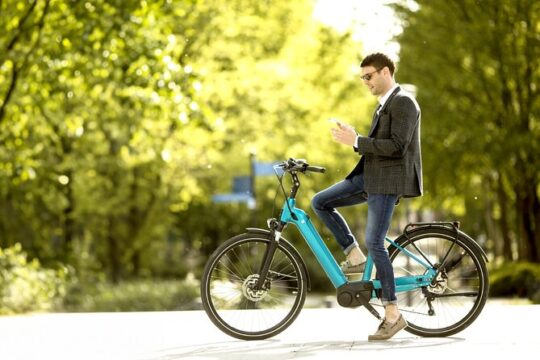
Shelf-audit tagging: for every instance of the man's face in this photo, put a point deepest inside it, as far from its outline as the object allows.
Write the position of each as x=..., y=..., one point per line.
x=375, y=80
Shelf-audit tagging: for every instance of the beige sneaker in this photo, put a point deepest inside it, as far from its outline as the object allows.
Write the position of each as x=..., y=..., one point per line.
x=387, y=330
x=350, y=269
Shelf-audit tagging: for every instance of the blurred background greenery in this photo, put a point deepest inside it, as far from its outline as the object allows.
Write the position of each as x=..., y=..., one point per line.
x=120, y=119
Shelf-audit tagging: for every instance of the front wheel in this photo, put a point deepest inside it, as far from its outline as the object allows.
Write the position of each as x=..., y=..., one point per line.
x=232, y=301
x=459, y=292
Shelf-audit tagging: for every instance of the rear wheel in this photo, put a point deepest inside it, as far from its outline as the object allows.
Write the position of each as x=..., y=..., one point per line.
x=232, y=301
x=461, y=288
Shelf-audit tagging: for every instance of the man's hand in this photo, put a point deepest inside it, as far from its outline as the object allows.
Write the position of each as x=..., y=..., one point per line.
x=344, y=134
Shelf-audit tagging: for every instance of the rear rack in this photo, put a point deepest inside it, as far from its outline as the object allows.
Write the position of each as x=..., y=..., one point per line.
x=448, y=224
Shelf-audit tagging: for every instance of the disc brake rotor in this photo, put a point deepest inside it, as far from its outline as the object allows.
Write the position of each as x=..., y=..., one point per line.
x=249, y=291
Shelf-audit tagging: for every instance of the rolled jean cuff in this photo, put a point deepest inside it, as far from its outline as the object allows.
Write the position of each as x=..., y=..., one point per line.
x=389, y=302
x=350, y=247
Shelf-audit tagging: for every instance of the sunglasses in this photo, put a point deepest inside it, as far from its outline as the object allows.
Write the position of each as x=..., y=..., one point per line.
x=368, y=76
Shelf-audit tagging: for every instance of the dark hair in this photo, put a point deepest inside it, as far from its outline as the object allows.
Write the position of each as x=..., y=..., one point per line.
x=379, y=61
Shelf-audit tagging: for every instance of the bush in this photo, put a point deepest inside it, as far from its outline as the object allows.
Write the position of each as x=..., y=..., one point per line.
x=25, y=286
x=536, y=297
x=141, y=295
x=516, y=279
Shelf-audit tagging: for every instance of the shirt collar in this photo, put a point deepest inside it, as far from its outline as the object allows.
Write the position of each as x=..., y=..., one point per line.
x=384, y=98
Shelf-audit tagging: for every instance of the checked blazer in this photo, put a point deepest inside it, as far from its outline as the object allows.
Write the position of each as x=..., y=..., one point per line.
x=391, y=156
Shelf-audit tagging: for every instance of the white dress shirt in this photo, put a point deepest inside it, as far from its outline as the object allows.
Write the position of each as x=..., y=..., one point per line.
x=382, y=100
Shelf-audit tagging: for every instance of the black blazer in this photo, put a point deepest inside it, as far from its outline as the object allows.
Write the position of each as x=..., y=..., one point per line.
x=391, y=156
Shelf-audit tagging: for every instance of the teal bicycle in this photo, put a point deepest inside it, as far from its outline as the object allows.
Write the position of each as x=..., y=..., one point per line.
x=254, y=285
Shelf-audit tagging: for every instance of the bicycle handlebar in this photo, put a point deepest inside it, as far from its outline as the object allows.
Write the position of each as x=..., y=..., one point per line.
x=299, y=165
x=318, y=169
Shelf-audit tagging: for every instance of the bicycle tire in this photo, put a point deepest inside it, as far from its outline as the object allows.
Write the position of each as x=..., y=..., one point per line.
x=229, y=299
x=461, y=290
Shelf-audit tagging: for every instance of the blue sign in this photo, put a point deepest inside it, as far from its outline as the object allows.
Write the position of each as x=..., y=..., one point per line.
x=242, y=184
x=234, y=197
x=242, y=187
x=263, y=169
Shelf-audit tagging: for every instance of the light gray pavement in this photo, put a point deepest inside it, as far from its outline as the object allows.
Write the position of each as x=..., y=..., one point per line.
x=502, y=331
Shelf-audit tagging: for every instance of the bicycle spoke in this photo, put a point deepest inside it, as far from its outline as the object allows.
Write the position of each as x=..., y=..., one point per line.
x=457, y=293
x=466, y=294
x=239, y=305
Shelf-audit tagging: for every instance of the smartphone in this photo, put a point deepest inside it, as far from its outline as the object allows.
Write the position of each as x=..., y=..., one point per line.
x=335, y=121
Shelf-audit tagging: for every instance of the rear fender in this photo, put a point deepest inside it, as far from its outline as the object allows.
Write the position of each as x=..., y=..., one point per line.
x=449, y=231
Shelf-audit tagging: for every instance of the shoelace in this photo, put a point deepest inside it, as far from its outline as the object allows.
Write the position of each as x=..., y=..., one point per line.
x=383, y=324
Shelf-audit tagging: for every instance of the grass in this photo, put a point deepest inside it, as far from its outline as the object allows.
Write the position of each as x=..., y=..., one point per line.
x=140, y=295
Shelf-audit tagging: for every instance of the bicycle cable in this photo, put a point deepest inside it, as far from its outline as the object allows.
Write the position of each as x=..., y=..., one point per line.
x=288, y=167
x=293, y=215
x=402, y=310
x=274, y=202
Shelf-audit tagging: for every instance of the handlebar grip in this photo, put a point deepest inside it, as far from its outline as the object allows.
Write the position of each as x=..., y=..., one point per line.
x=316, y=169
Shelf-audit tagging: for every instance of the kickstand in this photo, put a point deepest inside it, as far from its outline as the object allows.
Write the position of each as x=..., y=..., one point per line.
x=373, y=311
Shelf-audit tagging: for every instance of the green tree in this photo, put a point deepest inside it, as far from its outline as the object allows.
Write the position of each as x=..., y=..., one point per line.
x=476, y=66
x=95, y=111
x=120, y=119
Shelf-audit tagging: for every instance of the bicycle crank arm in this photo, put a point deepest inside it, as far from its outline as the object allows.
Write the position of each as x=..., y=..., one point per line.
x=356, y=294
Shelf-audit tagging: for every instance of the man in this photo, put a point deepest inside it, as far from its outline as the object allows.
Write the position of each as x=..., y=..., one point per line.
x=390, y=168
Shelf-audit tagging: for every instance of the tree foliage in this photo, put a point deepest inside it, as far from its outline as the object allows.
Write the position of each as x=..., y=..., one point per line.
x=120, y=119
x=476, y=66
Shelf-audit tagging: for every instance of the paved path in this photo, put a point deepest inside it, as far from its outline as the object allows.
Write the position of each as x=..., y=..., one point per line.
x=336, y=333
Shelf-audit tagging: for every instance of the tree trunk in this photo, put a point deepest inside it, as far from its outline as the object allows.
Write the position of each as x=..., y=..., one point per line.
x=69, y=223
x=531, y=210
x=507, y=253
x=493, y=238
x=114, y=263
x=134, y=225
x=521, y=209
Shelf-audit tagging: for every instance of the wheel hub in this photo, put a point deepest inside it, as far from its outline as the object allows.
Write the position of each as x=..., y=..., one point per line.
x=441, y=284
x=249, y=291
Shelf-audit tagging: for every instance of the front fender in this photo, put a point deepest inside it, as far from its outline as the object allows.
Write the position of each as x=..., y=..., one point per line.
x=288, y=244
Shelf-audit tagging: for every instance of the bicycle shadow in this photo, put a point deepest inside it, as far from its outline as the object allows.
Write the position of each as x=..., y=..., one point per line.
x=277, y=349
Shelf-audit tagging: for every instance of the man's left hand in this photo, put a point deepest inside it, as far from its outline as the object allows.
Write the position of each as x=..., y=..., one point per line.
x=344, y=134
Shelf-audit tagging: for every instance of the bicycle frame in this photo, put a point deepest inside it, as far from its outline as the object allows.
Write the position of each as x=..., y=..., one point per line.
x=254, y=285
x=291, y=214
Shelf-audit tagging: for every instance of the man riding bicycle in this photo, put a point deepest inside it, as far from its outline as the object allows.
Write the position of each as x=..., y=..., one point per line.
x=390, y=168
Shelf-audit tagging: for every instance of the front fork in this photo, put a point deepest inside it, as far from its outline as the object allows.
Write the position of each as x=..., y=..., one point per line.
x=276, y=228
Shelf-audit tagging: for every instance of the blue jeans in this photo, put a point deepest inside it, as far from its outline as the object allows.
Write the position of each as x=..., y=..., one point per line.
x=380, y=208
